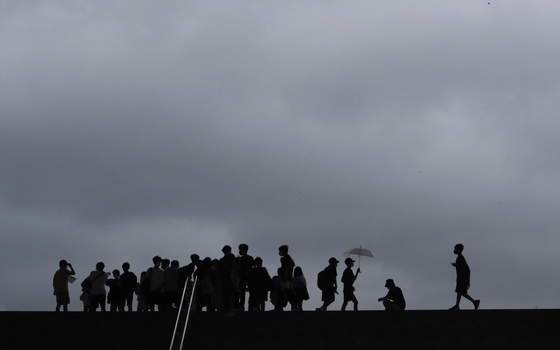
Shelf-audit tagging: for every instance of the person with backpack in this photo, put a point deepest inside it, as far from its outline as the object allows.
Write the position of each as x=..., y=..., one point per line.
x=98, y=292
x=326, y=281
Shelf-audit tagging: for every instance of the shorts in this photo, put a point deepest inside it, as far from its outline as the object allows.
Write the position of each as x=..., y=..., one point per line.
x=348, y=293
x=327, y=295
x=63, y=298
x=461, y=288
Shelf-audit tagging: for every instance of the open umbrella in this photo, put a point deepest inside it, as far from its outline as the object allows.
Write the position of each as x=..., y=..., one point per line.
x=359, y=252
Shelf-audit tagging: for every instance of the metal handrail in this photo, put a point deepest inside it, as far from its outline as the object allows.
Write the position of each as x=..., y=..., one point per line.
x=188, y=313
x=181, y=311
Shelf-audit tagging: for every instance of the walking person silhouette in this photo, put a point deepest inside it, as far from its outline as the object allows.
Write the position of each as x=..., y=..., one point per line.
x=463, y=278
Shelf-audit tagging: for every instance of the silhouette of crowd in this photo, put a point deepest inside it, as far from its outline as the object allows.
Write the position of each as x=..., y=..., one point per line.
x=222, y=284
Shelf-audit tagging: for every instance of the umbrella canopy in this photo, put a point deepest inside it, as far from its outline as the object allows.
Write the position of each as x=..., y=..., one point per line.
x=359, y=252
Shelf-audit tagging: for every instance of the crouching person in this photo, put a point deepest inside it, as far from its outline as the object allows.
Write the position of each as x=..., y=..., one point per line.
x=394, y=300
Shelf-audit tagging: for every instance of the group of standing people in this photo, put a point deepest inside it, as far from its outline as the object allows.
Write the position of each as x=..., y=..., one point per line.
x=122, y=288
x=222, y=284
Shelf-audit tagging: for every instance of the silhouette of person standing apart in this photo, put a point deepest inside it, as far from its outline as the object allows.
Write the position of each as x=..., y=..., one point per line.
x=463, y=278
x=394, y=300
x=60, y=284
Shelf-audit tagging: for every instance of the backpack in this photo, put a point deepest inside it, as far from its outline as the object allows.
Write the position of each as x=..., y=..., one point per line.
x=323, y=280
x=87, y=283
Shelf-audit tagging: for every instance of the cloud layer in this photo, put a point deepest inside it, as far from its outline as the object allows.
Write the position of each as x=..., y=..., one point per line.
x=137, y=128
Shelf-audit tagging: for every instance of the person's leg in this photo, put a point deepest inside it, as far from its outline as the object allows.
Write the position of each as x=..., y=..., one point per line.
x=476, y=303
x=102, y=302
x=355, y=303
x=468, y=297
x=150, y=301
x=242, y=297
x=129, y=299
x=387, y=304
x=93, y=303
x=86, y=300
x=328, y=298
x=344, y=305
x=65, y=307
x=458, y=300
x=391, y=306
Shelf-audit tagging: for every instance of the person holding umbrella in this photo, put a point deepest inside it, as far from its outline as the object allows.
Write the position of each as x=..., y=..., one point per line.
x=359, y=252
x=348, y=279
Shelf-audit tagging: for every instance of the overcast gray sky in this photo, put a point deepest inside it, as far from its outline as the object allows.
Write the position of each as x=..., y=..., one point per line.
x=130, y=129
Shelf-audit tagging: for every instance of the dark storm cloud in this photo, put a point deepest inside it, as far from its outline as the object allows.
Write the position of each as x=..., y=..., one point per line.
x=403, y=127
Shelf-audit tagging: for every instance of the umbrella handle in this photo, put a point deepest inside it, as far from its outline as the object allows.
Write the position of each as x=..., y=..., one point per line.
x=359, y=258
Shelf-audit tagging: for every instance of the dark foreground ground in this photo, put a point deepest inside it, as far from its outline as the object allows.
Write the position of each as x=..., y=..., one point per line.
x=425, y=329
